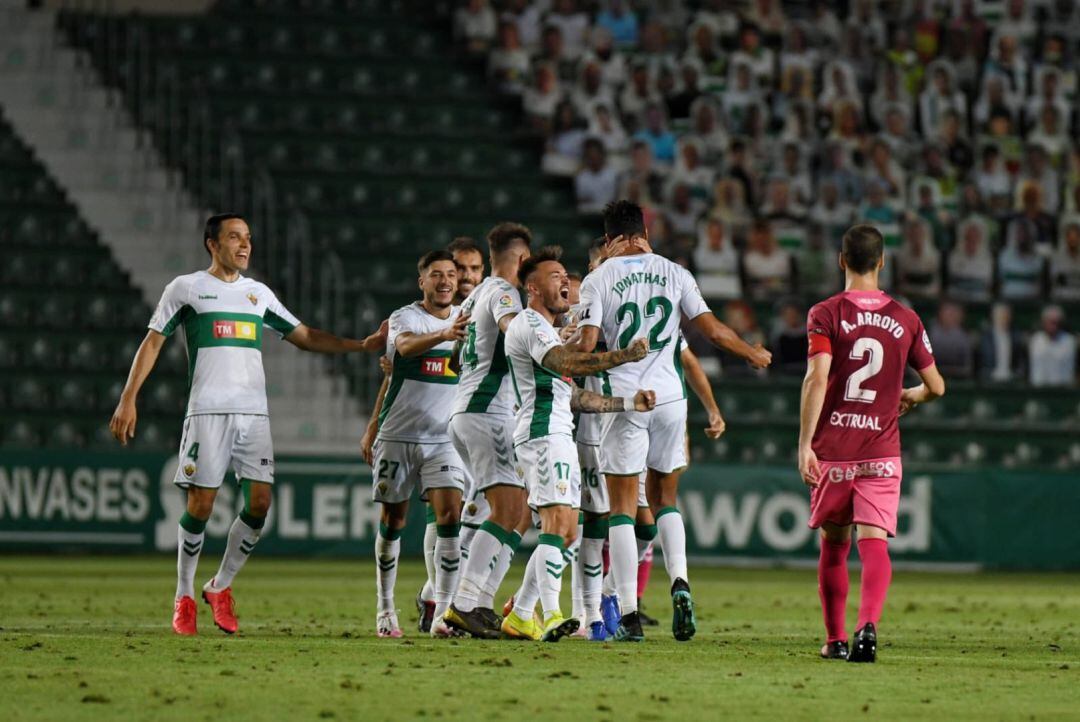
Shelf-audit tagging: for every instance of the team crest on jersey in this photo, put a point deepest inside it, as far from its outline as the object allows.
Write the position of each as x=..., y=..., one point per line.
x=253, y=298
x=189, y=470
x=506, y=300
x=471, y=508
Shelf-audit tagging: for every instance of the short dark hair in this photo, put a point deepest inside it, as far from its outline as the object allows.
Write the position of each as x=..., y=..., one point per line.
x=463, y=244
x=623, y=218
x=530, y=264
x=862, y=248
x=504, y=235
x=433, y=256
x=596, y=246
x=213, y=227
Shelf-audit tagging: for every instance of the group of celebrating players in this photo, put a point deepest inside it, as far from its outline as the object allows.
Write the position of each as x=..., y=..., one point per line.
x=567, y=413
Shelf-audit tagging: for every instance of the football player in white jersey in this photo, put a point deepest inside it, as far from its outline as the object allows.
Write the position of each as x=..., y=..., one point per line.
x=480, y=427
x=470, y=271
x=227, y=425
x=541, y=370
x=413, y=449
x=588, y=563
x=634, y=293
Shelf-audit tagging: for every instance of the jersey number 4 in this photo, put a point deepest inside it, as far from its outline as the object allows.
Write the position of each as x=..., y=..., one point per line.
x=632, y=311
x=854, y=390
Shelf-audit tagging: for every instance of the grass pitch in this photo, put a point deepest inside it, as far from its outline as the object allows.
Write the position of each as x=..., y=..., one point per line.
x=89, y=638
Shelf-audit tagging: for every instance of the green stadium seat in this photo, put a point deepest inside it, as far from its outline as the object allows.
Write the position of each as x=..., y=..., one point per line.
x=44, y=352
x=22, y=433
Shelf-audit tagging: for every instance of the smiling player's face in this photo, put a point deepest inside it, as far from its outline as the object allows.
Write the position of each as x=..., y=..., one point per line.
x=553, y=286
x=232, y=249
x=470, y=268
x=439, y=283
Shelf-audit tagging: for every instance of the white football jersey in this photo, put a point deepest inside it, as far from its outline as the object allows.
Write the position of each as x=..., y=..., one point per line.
x=543, y=396
x=484, y=387
x=645, y=295
x=417, y=405
x=223, y=325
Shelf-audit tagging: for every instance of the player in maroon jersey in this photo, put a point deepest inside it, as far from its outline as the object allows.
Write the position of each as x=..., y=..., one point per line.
x=861, y=341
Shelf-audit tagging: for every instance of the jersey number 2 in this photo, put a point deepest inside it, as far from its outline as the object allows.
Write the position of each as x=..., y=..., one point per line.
x=854, y=390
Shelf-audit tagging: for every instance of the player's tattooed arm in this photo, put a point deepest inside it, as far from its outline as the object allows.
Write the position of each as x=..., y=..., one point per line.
x=575, y=363
x=589, y=402
x=414, y=344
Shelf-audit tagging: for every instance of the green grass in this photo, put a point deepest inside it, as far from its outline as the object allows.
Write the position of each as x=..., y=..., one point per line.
x=89, y=638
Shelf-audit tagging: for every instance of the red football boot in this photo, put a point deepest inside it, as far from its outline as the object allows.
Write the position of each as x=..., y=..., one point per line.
x=222, y=605
x=183, y=618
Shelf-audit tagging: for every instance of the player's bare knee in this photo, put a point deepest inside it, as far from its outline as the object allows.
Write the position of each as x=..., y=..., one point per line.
x=450, y=514
x=835, y=534
x=200, y=502
x=393, y=515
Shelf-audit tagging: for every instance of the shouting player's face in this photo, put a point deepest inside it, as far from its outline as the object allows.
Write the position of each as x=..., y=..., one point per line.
x=232, y=249
x=470, y=269
x=551, y=283
x=439, y=283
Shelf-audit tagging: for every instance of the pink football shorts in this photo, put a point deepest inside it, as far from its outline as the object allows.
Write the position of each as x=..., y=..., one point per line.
x=857, y=492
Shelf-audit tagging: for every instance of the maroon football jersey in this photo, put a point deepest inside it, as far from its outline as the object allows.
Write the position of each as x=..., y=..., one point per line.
x=872, y=339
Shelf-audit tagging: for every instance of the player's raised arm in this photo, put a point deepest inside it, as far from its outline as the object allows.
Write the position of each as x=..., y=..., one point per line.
x=590, y=402
x=932, y=387
x=723, y=337
x=813, y=399
x=699, y=382
x=567, y=362
x=122, y=424
x=414, y=344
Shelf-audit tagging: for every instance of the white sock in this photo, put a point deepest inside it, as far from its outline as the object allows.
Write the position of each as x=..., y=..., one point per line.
x=527, y=594
x=608, y=588
x=467, y=534
x=242, y=539
x=642, y=548
x=672, y=535
x=486, y=600
x=591, y=556
x=428, y=592
x=448, y=564
x=548, y=570
x=386, y=566
x=577, y=589
x=483, y=556
x=623, y=550
x=189, y=547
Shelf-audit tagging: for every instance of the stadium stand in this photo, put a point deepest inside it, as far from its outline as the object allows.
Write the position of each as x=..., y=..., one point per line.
x=58, y=388
x=752, y=133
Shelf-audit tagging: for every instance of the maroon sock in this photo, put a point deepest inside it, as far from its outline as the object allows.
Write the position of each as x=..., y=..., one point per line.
x=832, y=578
x=606, y=557
x=876, y=575
x=643, y=569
